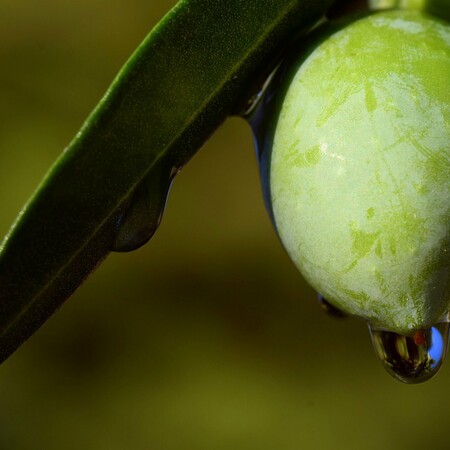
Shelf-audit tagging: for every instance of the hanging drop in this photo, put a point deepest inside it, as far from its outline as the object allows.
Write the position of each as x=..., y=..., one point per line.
x=415, y=358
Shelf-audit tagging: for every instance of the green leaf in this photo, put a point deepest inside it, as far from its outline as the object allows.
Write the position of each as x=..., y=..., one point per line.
x=108, y=188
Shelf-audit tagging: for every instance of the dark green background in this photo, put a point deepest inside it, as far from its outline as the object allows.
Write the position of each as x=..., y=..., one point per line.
x=207, y=337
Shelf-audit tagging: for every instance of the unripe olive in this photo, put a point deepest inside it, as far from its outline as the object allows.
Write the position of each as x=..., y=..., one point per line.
x=360, y=169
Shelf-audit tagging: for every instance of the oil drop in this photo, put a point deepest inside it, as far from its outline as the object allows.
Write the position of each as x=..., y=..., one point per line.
x=415, y=358
x=145, y=210
x=330, y=309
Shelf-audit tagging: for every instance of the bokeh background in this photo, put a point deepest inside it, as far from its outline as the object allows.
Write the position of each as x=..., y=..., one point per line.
x=207, y=337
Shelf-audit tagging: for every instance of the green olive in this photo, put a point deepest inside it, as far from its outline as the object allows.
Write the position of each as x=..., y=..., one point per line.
x=360, y=169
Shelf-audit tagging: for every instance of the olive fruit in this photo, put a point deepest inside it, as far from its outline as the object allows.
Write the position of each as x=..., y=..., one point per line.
x=360, y=169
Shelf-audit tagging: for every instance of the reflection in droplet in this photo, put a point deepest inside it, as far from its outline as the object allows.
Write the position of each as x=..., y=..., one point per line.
x=252, y=102
x=145, y=210
x=415, y=358
x=330, y=309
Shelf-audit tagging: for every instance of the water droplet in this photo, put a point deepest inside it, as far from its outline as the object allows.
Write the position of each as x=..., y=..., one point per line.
x=330, y=309
x=415, y=358
x=252, y=103
x=260, y=115
x=145, y=210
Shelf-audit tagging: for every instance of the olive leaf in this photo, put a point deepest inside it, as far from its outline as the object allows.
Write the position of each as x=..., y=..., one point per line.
x=107, y=190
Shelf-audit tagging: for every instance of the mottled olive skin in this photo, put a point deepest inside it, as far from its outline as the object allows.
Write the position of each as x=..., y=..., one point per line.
x=360, y=169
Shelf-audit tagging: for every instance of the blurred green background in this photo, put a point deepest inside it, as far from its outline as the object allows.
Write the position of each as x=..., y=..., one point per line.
x=207, y=337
